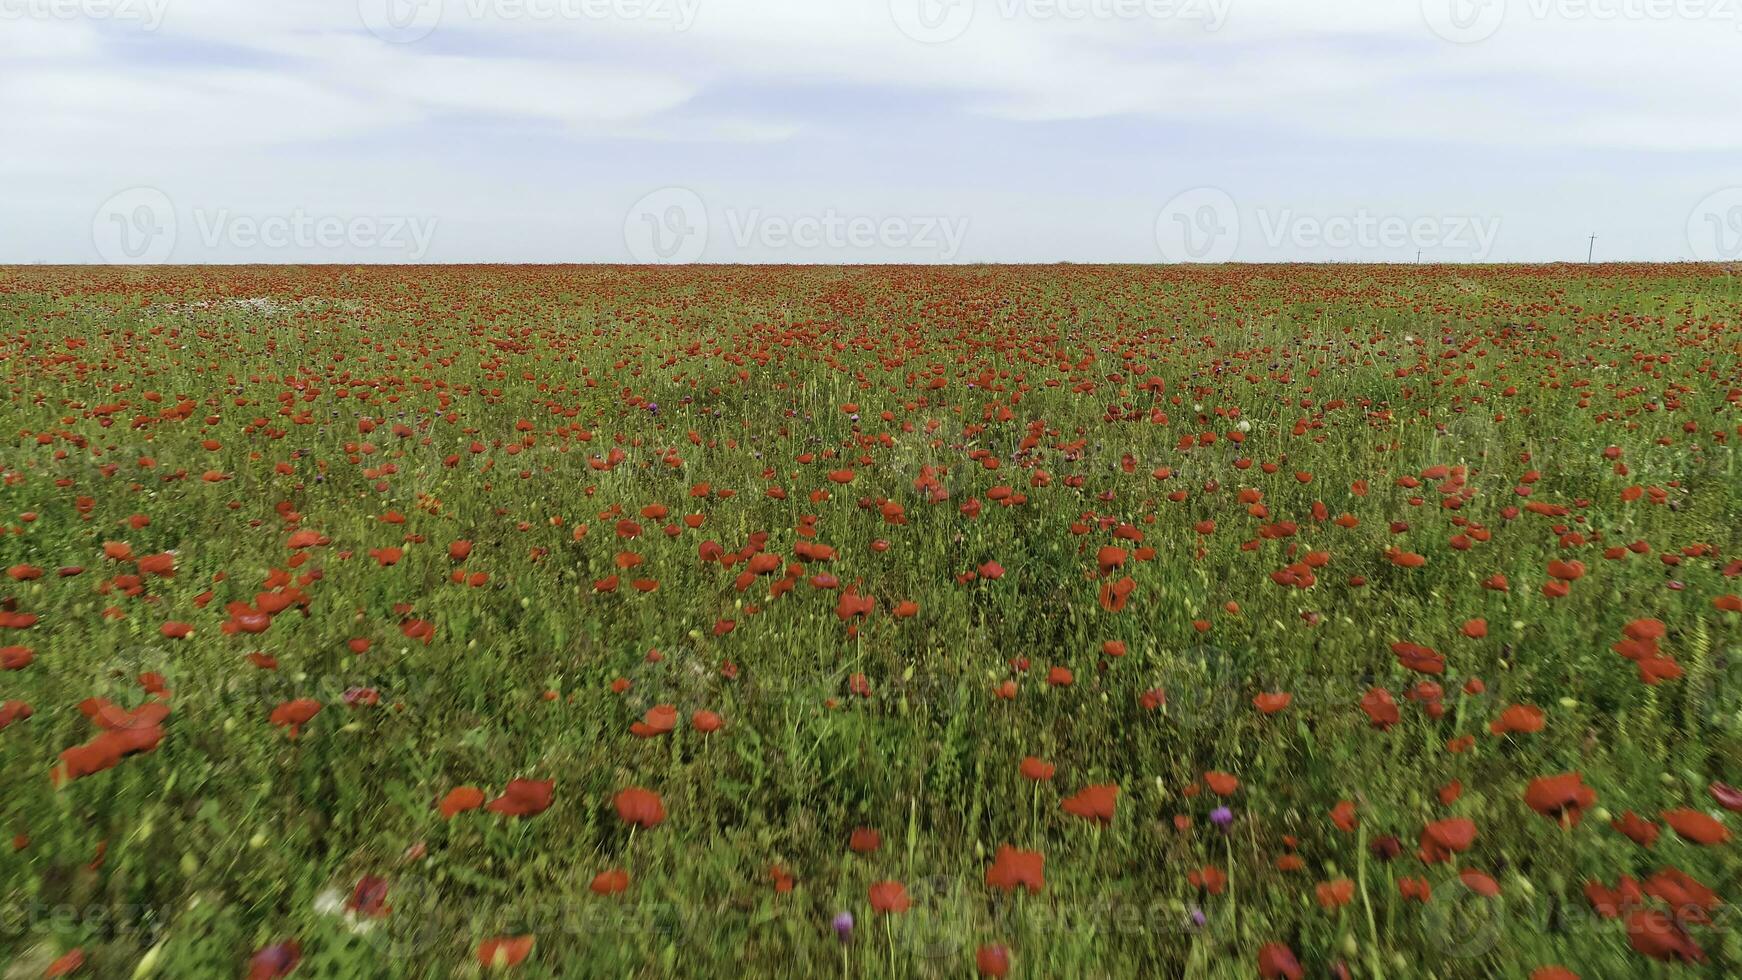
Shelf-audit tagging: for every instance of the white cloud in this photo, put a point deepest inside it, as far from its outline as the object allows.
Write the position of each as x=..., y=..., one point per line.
x=271, y=86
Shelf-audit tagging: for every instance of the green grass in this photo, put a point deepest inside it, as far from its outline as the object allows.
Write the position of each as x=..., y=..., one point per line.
x=224, y=839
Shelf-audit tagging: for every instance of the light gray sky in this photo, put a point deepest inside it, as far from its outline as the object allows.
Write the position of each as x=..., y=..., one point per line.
x=869, y=130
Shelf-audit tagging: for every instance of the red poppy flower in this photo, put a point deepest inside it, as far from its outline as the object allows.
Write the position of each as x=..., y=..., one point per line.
x=369, y=898
x=1334, y=894
x=992, y=961
x=659, y=720
x=1221, y=783
x=1696, y=827
x=641, y=807
x=275, y=961
x=1277, y=962
x=1012, y=869
x=889, y=898
x=1611, y=903
x=783, y=880
x=1443, y=838
x=1638, y=829
x=1094, y=803
x=1271, y=703
x=504, y=951
x=1381, y=708
x=1419, y=658
x=1728, y=797
x=612, y=882
x=1654, y=934
x=459, y=800
x=1482, y=884
x=1564, y=797
x=1114, y=595
x=523, y=798
x=1521, y=719
x=1210, y=878
x=294, y=714
x=1343, y=815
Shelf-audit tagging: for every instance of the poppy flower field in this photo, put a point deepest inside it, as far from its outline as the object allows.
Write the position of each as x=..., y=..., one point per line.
x=1274, y=621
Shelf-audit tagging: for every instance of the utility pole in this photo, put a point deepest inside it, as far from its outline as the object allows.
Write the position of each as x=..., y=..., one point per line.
x=1418, y=256
x=1589, y=252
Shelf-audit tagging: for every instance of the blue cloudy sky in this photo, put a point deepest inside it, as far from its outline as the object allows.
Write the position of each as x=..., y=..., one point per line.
x=869, y=130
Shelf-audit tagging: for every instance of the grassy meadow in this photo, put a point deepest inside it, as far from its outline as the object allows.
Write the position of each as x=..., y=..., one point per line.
x=1067, y=621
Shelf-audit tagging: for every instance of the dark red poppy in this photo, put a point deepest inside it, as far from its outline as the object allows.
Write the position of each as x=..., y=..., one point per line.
x=1661, y=937
x=992, y=961
x=1277, y=962
x=275, y=961
x=641, y=807
x=502, y=952
x=1696, y=827
x=523, y=798
x=612, y=882
x=889, y=898
x=1564, y=797
x=1093, y=803
x=459, y=800
x=1638, y=829
x=1012, y=869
